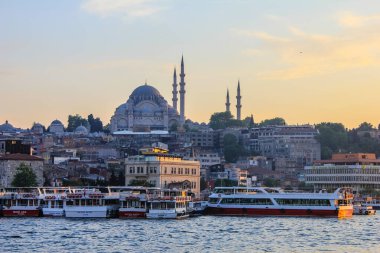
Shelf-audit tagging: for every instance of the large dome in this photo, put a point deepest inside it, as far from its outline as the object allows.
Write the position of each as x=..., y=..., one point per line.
x=6, y=127
x=145, y=91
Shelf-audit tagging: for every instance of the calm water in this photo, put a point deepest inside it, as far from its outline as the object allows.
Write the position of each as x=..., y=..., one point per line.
x=202, y=234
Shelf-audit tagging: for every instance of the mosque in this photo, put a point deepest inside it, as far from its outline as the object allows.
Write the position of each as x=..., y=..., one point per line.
x=147, y=110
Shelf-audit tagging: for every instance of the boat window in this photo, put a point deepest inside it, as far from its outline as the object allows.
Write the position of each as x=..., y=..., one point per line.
x=303, y=202
x=247, y=201
x=213, y=200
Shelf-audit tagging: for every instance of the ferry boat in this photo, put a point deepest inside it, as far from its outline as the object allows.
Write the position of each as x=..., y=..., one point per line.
x=19, y=202
x=91, y=203
x=197, y=208
x=373, y=202
x=170, y=204
x=133, y=202
x=256, y=201
x=53, y=201
x=364, y=210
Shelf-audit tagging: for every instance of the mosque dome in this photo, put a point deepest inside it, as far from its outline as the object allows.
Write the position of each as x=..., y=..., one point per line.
x=56, y=122
x=6, y=127
x=145, y=91
x=81, y=130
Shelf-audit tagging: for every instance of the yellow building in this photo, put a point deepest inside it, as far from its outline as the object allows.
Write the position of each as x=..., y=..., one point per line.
x=163, y=170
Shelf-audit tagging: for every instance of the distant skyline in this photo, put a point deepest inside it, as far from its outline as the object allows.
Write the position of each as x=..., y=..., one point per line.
x=304, y=61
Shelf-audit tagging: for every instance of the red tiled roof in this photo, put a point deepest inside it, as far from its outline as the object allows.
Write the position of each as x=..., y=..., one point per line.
x=20, y=157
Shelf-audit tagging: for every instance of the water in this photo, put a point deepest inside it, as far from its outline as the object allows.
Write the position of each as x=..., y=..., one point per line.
x=201, y=234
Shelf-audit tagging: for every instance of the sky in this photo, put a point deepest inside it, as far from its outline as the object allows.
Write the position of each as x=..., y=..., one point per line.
x=305, y=61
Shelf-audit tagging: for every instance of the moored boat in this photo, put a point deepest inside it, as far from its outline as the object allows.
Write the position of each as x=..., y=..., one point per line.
x=53, y=201
x=91, y=203
x=197, y=208
x=258, y=201
x=21, y=203
x=170, y=204
x=133, y=202
x=364, y=210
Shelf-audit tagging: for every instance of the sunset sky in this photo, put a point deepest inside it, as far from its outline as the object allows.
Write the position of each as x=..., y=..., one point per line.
x=305, y=61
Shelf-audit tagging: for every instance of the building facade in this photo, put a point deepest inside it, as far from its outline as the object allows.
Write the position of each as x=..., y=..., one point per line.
x=359, y=171
x=294, y=146
x=161, y=169
x=10, y=162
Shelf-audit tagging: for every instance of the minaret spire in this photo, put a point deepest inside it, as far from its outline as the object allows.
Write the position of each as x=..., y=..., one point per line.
x=228, y=101
x=182, y=92
x=238, y=105
x=175, y=92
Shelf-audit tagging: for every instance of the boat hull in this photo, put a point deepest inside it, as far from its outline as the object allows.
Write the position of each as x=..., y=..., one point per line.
x=21, y=213
x=53, y=212
x=226, y=211
x=132, y=214
x=83, y=212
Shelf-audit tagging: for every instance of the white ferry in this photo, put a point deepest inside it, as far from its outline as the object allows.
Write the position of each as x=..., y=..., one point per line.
x=91, y=203
x=53, y=201
x=256, y=201
x=133, y=201
x=21, y=202
x=170, y=204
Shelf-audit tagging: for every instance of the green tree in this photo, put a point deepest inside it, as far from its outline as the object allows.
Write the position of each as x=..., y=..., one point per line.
x=270, y=182
x=140, y=183
x=220, y=120
x=24, y=177
x=232, y=148
x=96, y=125
x=365, y=126
x=113, y=181
x=74, y=121
x=333, y=138
x=273, y=122
x=225, y=183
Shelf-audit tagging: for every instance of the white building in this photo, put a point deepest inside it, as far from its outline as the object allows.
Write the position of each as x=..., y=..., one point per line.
x=359, y=171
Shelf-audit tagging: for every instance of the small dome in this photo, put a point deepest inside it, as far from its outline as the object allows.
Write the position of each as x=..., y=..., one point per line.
x=145, y=91
x=6, y=127
x=81, y=130
x=56, y=122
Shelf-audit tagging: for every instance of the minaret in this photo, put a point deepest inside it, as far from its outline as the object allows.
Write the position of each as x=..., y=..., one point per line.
x=175, y=92
x=228, y=101
x=238, y=105
x=182, y=93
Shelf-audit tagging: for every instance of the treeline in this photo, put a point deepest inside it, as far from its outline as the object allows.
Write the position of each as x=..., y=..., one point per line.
x=91, y=123
x=335, y=138
x=223, y=120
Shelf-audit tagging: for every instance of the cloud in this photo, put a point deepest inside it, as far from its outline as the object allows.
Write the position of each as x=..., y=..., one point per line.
x=301, y=54
x=348, y=19
x=123, y=8
x=260, y=35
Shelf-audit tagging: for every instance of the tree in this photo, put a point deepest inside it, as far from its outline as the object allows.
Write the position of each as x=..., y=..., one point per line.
x=270, y=182
x=24, y=177
x=220, y=120
x=332, y=137
x=75, y=121
x=273, y=122
x=113, y=181
x=96, y=125
x=365, y=126
x=232, y=148
x=136, y=182
x=225, y=183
